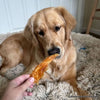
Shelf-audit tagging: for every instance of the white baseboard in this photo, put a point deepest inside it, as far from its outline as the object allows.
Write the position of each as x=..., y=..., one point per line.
x=92, y=30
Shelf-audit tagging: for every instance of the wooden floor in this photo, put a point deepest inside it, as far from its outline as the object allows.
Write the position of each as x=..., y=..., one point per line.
x=93, y=34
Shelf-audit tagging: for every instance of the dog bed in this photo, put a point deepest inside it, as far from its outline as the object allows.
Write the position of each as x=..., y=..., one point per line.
x=88, y=73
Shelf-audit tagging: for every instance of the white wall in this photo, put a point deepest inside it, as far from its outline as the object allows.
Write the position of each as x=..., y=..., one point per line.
x=15, y=13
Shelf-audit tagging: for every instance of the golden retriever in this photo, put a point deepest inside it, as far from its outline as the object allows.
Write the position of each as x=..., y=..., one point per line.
x=46, y=33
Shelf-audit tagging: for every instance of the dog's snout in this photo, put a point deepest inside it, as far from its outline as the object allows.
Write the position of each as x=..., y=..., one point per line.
x=54, y=50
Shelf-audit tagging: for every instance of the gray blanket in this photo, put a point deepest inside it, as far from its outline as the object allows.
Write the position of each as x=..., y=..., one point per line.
x=88, y=73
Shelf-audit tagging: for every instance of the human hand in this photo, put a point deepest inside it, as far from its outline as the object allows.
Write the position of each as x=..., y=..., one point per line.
x=16, y=89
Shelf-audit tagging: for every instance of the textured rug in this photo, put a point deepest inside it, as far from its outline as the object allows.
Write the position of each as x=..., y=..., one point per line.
x=88, y=73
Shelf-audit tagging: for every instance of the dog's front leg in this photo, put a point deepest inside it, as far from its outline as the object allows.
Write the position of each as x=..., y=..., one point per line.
x=29, y=69
x=70, y=77
x=82, y=94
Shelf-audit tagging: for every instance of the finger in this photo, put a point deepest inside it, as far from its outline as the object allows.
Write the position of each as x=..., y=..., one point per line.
x=25, y=93
x=19, y=80
x=27, y=83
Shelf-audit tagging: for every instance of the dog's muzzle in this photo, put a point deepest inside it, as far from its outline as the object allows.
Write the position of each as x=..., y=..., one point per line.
x=54, y=50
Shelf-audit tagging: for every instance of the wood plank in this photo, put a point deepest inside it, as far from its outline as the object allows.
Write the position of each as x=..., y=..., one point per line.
x=97, y=18
x=92, y=16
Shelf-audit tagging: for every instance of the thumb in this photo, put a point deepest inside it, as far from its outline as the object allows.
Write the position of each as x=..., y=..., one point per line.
x=25, y=85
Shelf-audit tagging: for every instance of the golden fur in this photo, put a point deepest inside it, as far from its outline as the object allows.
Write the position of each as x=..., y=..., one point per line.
x=30, y=47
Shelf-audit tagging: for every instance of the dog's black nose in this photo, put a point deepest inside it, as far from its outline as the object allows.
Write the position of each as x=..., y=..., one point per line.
x=54, y=50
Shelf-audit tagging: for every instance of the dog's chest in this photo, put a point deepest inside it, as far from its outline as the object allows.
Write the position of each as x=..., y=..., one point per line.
x=53, y=71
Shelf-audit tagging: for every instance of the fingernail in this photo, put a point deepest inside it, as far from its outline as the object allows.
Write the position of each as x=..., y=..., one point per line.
x=30, y=94
x=31, y=86
x=31, y=79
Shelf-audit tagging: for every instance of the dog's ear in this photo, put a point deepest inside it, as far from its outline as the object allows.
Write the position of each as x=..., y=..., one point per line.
x=29, y=31
x=70, y=21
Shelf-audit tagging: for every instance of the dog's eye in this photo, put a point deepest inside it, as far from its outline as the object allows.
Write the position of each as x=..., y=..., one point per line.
x=41, y=33
x=57, y=28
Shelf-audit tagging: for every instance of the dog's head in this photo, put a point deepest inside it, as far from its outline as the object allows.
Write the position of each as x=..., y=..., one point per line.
x=50, y=28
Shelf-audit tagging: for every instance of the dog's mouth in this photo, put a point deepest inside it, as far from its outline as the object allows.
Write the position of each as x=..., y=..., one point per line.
x=58, y=56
